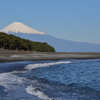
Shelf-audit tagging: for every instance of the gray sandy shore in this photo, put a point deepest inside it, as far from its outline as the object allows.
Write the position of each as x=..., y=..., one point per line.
x=12, y=56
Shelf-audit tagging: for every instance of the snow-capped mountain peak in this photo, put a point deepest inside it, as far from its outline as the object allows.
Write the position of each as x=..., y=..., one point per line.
x=18, y=27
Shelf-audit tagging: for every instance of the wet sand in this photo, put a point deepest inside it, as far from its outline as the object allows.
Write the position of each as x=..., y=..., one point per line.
x=13, y=56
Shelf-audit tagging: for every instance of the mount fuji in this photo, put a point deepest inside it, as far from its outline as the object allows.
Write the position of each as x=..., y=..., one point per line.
x=60, y=45
x=18, y=27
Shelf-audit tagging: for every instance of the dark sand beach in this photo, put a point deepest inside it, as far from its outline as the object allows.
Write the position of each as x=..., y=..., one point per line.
x=13, y=56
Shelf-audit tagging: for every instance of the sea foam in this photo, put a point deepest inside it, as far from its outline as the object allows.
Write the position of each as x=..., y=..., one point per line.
x=17, y=87
x=32, y=90
x=38, y=65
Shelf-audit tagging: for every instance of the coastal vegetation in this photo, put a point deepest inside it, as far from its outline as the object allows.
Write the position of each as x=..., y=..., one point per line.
x=12, y=42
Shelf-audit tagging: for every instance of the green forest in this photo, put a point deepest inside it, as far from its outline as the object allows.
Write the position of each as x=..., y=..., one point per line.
x=12, y=42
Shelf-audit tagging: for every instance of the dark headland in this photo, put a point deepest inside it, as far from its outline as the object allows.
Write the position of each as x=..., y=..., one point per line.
x=13, y=56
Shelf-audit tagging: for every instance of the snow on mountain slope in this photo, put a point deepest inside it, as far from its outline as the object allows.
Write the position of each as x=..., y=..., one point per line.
x=18, y=27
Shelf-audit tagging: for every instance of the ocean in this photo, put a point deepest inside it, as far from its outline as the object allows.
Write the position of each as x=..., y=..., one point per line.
x=51, y=80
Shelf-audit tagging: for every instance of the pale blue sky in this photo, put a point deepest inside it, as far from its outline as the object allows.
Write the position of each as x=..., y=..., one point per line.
x=76, y=20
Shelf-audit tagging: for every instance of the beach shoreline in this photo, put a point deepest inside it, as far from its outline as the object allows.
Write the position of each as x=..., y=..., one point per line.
x=14, y=56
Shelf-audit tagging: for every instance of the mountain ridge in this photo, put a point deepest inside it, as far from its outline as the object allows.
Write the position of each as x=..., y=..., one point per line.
x=61, y=45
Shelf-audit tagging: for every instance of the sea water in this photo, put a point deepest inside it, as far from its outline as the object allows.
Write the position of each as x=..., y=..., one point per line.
x=51, y=80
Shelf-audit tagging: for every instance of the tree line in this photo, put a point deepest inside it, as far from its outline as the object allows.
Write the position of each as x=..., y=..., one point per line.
x=12, y=42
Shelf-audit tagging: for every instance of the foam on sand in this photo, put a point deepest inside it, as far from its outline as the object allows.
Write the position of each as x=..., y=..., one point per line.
x=14, y=56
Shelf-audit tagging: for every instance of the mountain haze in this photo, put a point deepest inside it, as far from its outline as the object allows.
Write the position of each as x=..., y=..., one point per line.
x=60, y=45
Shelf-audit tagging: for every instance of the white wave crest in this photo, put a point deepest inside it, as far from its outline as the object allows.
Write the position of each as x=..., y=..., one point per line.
x=32, y=66
x=15, y=87
x=33, y=91
x=8, y=78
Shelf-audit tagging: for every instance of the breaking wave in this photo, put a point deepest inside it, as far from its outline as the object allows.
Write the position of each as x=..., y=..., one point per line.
x=53, y=80
x=32, y=66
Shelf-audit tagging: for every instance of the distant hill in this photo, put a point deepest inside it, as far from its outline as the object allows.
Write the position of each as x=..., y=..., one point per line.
x=12, y=42
x=60, y=45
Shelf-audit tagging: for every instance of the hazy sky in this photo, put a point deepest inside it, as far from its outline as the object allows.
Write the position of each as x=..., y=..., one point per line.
x=77, y=20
